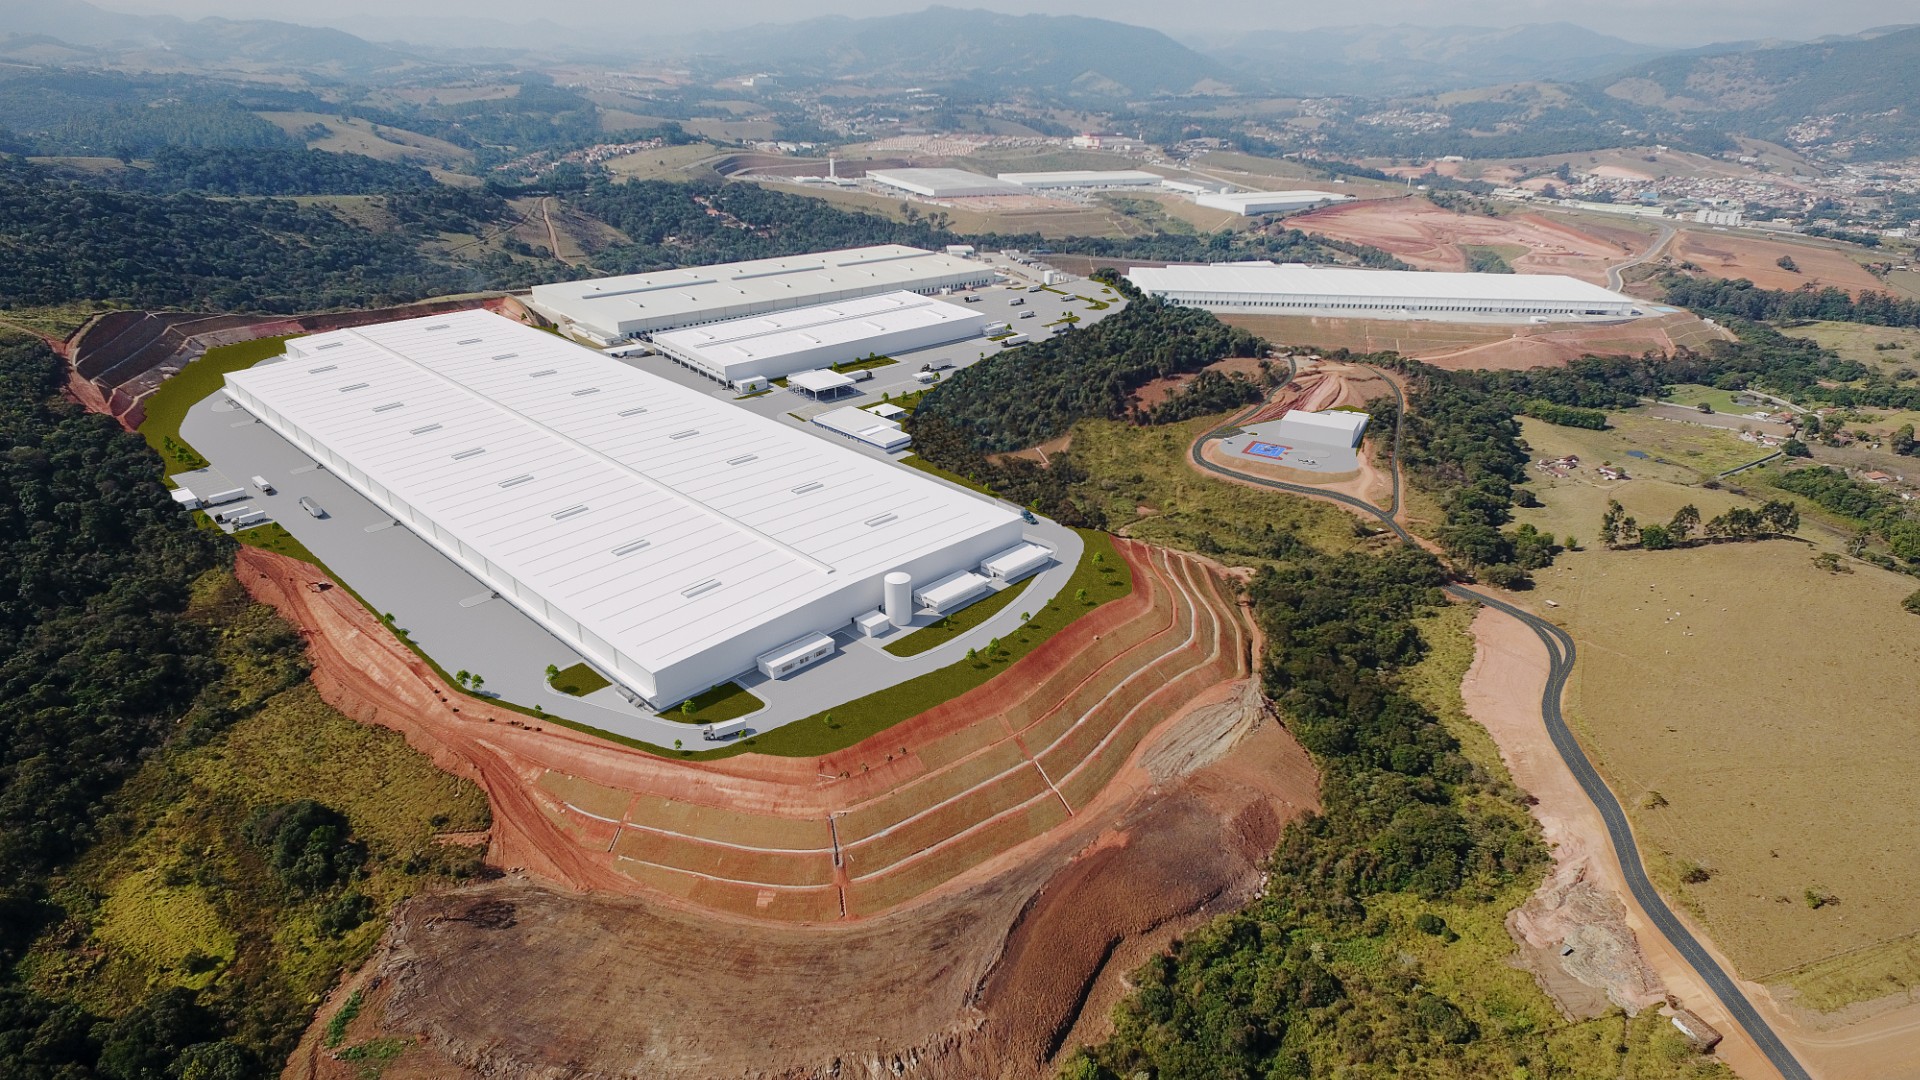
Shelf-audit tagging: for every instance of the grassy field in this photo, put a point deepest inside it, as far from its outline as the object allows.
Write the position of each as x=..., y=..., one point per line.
x=1856, y=341
x=1750, y=689
x=1675, y=452
x=915, y=461
x=1102, y=573
x=579, y=680
x=952, y=626
x=1150, y=492
x=167, y=406
x=728, y=701
x=174, y=894
x=1693, y=395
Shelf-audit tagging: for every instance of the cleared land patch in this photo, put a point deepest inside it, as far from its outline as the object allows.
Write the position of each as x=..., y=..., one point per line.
x=1733, y=256
x=1740, y=701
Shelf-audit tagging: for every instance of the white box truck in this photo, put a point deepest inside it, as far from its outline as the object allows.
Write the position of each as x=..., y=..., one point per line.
x=724, y=730
x=227, y=496
x=1010, y=342
x=261, y=483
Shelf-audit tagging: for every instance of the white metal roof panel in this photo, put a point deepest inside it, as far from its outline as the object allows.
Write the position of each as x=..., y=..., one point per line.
x=936, y=183
x=660, y=519
x=1334, y=281
x=1081, y=178
x=819, y=381
x=840, y=323
x=1338, y=424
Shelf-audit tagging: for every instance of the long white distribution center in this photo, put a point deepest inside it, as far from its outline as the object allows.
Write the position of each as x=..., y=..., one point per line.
x=780, y=343
x=1269, y=289
x=669, y=537
x=636, y=304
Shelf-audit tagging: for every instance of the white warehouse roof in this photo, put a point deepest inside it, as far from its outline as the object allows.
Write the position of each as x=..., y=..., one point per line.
x=1118, y=178
x=1336, y=427
x=1267, y=202
x=1264, y=288
x=669, y=536
x=636, y=304
x=783, y=342
x=943, y=183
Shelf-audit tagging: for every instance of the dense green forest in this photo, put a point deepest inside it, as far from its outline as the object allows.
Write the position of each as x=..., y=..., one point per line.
x=1022, y=397
x=270, y=171
x=1743, y=299
x=68, y=241
x=162, y=762
x=1874, y=509
x=1406, y=822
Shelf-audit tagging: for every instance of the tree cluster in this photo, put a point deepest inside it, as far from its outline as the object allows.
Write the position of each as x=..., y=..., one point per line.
x=1775, y=517
x=1875, y=509
x=1566, y=415
x=1743, y=299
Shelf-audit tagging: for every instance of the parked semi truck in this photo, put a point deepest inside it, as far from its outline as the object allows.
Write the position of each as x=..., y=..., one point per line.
x=724, y=730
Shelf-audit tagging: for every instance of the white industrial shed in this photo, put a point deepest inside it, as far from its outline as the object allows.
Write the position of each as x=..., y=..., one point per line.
x=1267, y=289
x=1268, y=202
x=943, y=183
x=669, y=537
x=780, y=343
x=1335, y=427
x=636, y=304
x=1082, y=179
x=860, y=425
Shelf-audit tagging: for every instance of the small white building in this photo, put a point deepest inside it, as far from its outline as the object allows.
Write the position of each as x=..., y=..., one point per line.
x=1248, y=203
x=862, y=426
x=950, y=592
x=1017, y=561
x=1335, y=427
x=796, y=654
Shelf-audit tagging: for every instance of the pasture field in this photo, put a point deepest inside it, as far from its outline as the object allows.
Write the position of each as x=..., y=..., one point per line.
x=1676, y=452
x=1740, y=255
x=665, y=163
x=1692, y=395
x=1856, y=341
x=356, y=136
x=1740, y=701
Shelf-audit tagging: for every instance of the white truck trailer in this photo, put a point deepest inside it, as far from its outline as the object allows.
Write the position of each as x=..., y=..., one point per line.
x=724, y=730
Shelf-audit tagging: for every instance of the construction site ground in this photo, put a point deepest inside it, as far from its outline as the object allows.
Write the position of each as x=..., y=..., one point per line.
x=1458, y=346
x=1430, y=237
x=1002, y=858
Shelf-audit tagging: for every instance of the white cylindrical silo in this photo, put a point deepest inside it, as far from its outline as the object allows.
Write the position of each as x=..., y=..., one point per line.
x=897, y=590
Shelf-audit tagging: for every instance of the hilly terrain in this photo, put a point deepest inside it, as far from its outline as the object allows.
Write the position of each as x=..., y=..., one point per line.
x=1062, y=54
x=1375, y=61
x=1857, y=96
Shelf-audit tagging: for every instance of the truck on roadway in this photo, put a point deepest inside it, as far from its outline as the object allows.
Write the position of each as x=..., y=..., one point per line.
x=726, y=729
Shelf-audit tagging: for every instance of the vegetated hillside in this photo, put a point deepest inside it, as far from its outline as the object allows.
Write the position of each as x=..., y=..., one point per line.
x=1743, y=300
x=1375, y=61
x=272, y=171
x=1855, y=96
x=1062, y=54
x=192, y=846
x=1022, y=397
x=112, y=115
x=223, y=43
x=674, y=224
x=65, y=241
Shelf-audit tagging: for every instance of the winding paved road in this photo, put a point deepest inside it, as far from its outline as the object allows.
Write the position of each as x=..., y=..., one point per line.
x=1616, y=279
x=1560, y=657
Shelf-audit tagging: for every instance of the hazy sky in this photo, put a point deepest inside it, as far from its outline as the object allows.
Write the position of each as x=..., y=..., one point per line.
x=1682, y=22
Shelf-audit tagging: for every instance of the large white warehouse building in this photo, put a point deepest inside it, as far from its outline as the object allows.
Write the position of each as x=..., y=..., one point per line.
x=942, y=183
x=1267, y=289
x=674, y=540
x=636, y=304
x=1082, y=179
x=776, y=345
x=1248, y=203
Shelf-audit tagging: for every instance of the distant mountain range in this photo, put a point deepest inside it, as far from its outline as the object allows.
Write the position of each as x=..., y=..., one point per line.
x=1386, y=61
x=1067, y=54
x=72, y=31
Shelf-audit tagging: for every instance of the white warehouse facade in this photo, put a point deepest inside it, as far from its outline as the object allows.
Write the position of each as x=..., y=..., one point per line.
x=1268, y=289
x=634, y=305
x=1249, y=203
x=777, y=344
x=670, y=538
x=1041, y=181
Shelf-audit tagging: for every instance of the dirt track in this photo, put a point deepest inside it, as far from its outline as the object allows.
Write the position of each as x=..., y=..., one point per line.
x=1432, y=238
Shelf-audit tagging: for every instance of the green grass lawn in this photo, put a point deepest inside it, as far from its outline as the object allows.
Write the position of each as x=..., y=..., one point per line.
x=578, y=680
x=863, y=365
x=167, y=406
x=1102, y=573
x=728, y=701
x=1693, y=395
x=938, y=634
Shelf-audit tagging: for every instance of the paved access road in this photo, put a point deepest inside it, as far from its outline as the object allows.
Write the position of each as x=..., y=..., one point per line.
x=1560, y=657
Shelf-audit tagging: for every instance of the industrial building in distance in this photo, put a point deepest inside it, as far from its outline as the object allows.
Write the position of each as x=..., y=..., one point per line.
x=1269, y=289
x=1249, y=203
x=777, y=344
x=673, y=540
x=943, y=183
x=634, y=305
x=1082, y=179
